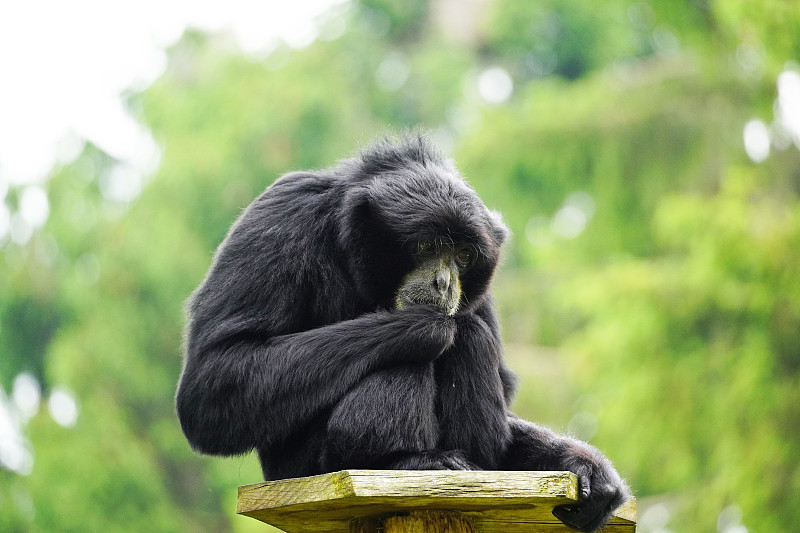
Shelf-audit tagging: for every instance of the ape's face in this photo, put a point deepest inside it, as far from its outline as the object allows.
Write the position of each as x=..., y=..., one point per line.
x=417, y=233
x=435, y=280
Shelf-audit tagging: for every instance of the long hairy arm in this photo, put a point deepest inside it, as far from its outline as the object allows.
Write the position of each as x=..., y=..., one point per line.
x=601, y=489
x=247, y=390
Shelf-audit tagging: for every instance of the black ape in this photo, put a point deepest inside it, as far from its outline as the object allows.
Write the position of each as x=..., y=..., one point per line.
x=316, y=339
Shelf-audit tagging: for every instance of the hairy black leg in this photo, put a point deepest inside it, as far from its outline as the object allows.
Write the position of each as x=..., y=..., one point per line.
x=431, y=460
x=387, y=415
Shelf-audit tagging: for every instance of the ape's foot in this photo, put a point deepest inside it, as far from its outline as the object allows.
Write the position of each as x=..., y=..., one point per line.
x=433, y=460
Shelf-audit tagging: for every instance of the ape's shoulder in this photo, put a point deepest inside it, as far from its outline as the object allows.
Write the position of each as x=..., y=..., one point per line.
x=296, y=186
x=297, y=206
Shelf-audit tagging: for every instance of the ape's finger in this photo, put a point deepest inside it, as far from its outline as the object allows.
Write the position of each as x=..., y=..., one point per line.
x=587, y=516
x=584, y=486
x=568, y=516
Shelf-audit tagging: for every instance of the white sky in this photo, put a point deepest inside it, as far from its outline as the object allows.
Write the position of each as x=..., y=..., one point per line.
x=63, y=65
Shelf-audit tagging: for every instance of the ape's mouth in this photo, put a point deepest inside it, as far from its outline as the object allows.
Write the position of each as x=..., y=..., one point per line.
x=448, y=303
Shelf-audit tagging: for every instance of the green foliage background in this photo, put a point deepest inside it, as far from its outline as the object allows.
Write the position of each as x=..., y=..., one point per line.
x=667, y=331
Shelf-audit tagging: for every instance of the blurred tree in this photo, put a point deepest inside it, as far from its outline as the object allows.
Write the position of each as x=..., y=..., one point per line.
x=648, y=294
x=563, y=38
x=713, y=324
x=400, y=21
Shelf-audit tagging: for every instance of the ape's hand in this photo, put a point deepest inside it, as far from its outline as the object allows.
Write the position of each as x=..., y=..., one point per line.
x=600, y=487
x=431, y=332
x=601, y=490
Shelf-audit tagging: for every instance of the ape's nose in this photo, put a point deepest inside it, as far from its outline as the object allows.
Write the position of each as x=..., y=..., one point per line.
x=442, y=280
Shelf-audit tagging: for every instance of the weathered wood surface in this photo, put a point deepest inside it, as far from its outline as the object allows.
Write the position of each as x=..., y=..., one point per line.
x=471, y=501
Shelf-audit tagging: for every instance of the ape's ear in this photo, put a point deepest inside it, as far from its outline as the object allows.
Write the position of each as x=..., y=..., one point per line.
x=370, y=249
x=499, y=230
x=355, y=220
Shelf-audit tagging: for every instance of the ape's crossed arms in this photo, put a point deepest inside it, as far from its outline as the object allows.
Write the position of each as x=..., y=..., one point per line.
x=346, y=322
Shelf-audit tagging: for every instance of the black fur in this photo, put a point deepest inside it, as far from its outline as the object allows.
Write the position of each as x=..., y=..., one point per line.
x=293, y=346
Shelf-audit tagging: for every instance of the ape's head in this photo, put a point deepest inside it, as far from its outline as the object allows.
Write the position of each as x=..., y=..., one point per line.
x=433, y=241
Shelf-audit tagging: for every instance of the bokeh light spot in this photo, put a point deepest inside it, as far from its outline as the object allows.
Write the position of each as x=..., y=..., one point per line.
x=14, y=452
x=21, y=230
x=63, y=406
x=655, y=517
x=26, y=394
x=5, y=221
x=789, y=103
x=393, y=72
x=756, y=140
x=495, y=85
x=33, y=206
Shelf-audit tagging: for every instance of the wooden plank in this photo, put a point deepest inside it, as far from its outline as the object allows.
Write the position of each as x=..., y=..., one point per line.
x=495, y=501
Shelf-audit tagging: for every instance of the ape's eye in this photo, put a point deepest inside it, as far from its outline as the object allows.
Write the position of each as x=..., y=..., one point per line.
x=464, y=257
x=425, y=246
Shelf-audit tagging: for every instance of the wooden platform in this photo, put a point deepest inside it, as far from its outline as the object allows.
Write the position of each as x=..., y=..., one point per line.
x=490, y=501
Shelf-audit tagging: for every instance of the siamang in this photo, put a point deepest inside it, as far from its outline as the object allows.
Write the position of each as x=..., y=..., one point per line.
x=347, y=322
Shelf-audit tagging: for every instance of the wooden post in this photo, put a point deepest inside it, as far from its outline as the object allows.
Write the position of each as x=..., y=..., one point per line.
x=415, y=522
x=420, y=501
